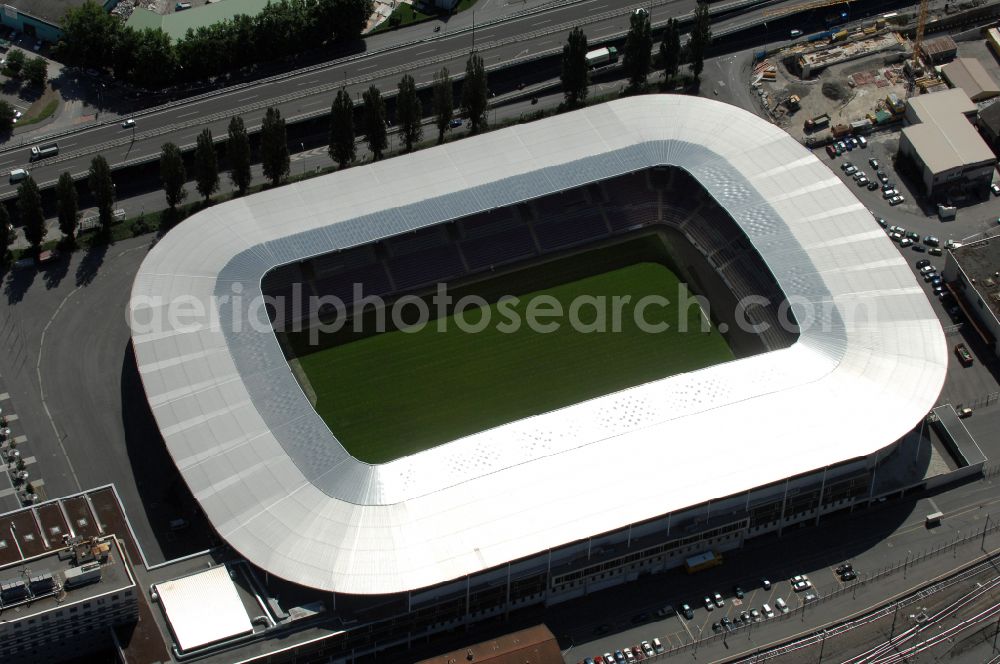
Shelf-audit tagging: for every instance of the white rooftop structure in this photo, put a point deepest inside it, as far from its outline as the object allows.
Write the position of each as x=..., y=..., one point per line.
x=868, y=365
x=203, y=608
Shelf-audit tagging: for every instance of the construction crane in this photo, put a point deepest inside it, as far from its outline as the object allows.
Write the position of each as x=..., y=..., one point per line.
x=919, y=39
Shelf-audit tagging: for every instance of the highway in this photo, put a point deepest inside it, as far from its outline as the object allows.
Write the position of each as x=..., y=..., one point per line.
x=308, y=92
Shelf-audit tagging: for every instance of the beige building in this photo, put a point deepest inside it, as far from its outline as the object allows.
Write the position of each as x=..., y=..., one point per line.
x=970, y=75
x=949, y=155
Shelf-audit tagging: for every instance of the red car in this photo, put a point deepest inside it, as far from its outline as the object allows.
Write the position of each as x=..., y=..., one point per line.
x=832, y=151
x=639, y=654
x=964, y=356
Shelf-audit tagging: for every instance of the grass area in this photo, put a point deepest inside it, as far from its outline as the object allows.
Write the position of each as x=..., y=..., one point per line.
x=397, y=393
x=44, y=114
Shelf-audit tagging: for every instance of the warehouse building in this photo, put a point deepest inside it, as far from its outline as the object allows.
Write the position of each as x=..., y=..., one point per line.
x=947, y=153
x=989, y=125
x=968, y=74
x=940, y=49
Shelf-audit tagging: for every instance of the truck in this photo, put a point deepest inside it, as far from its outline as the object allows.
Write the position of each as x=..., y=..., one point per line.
x=602, y=56
x=702, y=561
x=43, y=151
x=812, y=124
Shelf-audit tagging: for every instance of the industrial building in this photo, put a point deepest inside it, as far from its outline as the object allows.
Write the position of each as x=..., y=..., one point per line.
x=989, y=125
x=947, y=153
x=41, y=19
x=940, y=49
x=973, y=271
x=63, y=602
x=970, y=75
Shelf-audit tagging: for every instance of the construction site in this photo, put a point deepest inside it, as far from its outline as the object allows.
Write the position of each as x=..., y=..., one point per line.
x=851, y=81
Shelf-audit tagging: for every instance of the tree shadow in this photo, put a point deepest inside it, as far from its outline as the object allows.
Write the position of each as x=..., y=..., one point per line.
x=18, y=283
x=91, y=262
x=55, y=272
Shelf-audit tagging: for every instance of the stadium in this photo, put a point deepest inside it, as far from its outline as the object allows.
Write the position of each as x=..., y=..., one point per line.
x=460, y=481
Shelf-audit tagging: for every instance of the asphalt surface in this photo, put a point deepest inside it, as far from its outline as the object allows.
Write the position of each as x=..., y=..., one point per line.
x=308, y=93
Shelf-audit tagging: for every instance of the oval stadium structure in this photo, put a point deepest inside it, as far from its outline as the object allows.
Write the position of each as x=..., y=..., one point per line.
x=868, y=363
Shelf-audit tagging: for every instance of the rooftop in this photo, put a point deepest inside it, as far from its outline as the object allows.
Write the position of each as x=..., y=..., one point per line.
x=980, y=262
x=203, y=608
x=535, y=645
x=938, y=46
x=969, y=75
x=50, y=11
x=944, y=137
x=47, y=574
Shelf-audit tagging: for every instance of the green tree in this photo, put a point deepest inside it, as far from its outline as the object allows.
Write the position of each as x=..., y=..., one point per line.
x=123, y=54
x=575, y=73
x=701, y=38
x=6, y=233
x=15, y=63
x=375, y=131
x=670, y=50
x=274, y=155
x=36, y=72
x=475, y=93
x=29, y=208
x=350, y=18
x=155, y=60
x=172, y=173
x=103, y=189
x=206, y=165
x=409, y=112
x=6, y=116
x=89, y=35
x=444, y=106
x=69, y=207
x=238, y=154
x=341, y=148
x=638, y=50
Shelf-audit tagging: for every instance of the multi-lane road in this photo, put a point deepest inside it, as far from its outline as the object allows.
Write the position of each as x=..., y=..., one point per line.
x=308, y=92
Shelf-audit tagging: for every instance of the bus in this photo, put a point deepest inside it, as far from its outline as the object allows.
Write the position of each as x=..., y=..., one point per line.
x=702, y=561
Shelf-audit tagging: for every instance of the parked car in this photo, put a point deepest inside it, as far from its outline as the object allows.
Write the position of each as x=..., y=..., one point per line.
x=755, y=615
x=648, y=649
x=881, y=222
x=964, y=411
x=832, y=151
x=882, y=177
x=995, y=188
x=862, y=181
x=767, y=611
x=664, y=611
x=873, y=162
x=932, y=241
x=726, y=622
x=922, y=263
x=927, y=268
x=781, y=604
x=937, y=281
x=716, y=627
x=919, y=248
x=658, y=646
x=849, y=575
x=906, y=242
x=930, y=276
x=738, y=592
x=935, y=251
x=850, y=170
x=717, y=598
x=913, y=235
x=872, y=186
x=765, y=584
x=456, y=122
x=687, y=612
x=709, y=604
x=964, y=355
x=846, y=567
x=896, y=200
x=896, y=236
x=844, y=166
x=809, y=597
x=862, y=141
x=629, y=655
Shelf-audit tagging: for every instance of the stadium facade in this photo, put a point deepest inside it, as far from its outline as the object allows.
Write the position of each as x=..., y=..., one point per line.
x=516, y=516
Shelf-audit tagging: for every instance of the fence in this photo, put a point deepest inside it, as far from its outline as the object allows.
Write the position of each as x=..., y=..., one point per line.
x=991, y=526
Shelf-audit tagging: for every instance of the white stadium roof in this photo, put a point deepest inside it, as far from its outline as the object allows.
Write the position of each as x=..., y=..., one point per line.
x=281, y=489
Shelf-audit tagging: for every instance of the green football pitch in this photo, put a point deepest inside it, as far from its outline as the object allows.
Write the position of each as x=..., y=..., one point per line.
x=400, y=392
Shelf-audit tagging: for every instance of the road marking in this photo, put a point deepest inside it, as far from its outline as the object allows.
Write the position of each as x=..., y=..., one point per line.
x=187, y=115
x=548, y=20
x=430, y=50
x=367, y=68
x=248, y=98
x=68, y=145
x=311, y=81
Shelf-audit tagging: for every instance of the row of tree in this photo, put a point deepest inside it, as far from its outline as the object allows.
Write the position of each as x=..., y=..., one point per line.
x=638, y=54
x=34, y=71
x=148, y=58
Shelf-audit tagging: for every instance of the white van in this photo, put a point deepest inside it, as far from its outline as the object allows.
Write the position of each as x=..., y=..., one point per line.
x=657, y=646
x=17, y=175
x=767, y=611
x=782, y=606
x=795, y=33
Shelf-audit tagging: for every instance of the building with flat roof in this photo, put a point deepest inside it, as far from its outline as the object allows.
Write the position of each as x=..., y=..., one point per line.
x=41, y=19
x=989, y=125
x=948, y=154
x=973, y=270
x=970, y=75
x=940, y=49
x=63, y=603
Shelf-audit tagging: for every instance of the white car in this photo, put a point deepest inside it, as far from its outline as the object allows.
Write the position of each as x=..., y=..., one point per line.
x=995, y=188
x=896, y=200
x=17, y=116
x=799, y=586
x=717, y=598
x=128, y=124
x=874, y=163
